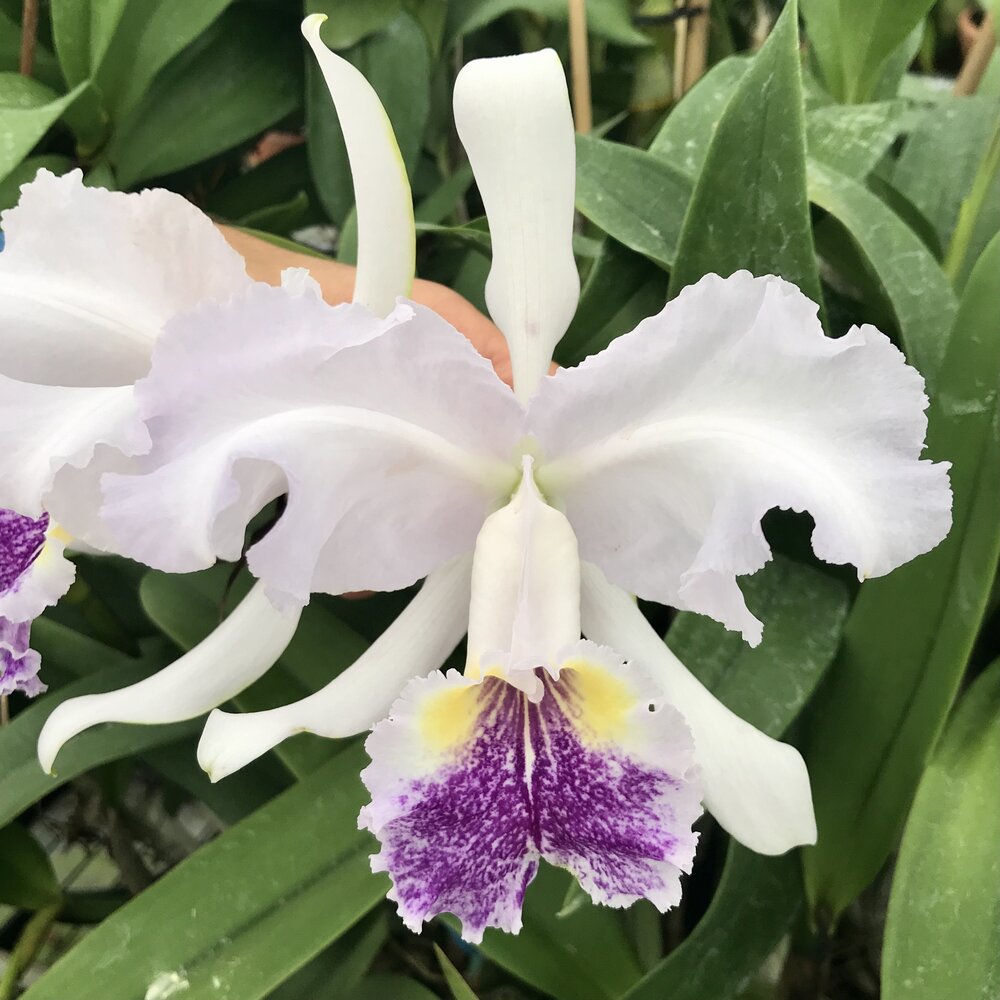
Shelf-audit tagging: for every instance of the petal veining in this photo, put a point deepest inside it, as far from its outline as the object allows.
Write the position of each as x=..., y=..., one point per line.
x=472, y=783
x=737, y=403
x=34, y=572
x=391, y=439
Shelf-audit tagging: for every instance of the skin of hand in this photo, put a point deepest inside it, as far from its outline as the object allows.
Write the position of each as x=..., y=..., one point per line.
x=265, y=262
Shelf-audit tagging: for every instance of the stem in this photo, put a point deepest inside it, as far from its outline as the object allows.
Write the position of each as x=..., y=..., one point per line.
x=697, y=47
x=974, y=67
x=28, y=945
x=579, y=58
x=4, y=710
x=958, y=249
x=29, y=31
x=680, y=49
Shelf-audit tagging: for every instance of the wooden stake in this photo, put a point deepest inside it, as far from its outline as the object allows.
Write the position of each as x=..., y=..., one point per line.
x=978, y=58
x=29, y=31
x=579, y=58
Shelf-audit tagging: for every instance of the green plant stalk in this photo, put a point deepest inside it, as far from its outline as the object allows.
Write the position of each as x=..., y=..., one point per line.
x=28, y=945
x=972, y=205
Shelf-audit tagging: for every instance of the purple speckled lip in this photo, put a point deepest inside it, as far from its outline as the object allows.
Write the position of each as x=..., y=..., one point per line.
x=525, y=785
x=21, y=541
x=18, y=664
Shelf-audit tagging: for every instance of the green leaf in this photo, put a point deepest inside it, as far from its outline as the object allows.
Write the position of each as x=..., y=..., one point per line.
x=803, y=611
x=909, y=635
x=71, y=34
x=149, y=34
x=607, y=19
x=919, y=293
x=749, y=207
x=242, y=913
x=942, y=935
x=632, y=196
x=348, y=22
x=67, y=652
x=583, y=954
x=853, y=138
x=937, y=166
x=26, y=876
x=46, y=69
x=396, y=62
x=460, y=989
x=252, y=74
x=24, y=172
x=28, y=109
x=388, y=984
x=853, y=40
x=753, y=908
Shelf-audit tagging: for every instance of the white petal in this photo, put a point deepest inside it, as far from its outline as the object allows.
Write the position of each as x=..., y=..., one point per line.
x=756, y=787
x=391, y=438
x=386, y=235
x=414, y=645
x=525, y=583
x=667, y=449
x=46, y=579
x=44, y=428
x=240, y=650
x=514, y=119
x=88, y=277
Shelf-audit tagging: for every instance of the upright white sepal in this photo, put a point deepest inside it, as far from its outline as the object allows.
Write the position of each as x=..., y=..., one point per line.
x=386, y=235
x=514, y=119
x=240, y=650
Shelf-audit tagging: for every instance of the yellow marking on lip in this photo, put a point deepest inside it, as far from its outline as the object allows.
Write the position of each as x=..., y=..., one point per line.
x=598, y=702
x=448, y=718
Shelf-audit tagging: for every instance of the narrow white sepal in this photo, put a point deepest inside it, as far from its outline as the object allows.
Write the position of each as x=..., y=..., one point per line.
x=756, y=787
x=240, y=650
x=386, y=234
x=416, y=643
x=514, y=119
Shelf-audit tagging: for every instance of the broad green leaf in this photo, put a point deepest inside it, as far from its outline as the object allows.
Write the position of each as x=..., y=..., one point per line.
x=245, y=911
x=909, y=635
x=440, y=204
x=460, y=989
x=622, y=288
x=396, y=62
x=803, y=611
x=149, y=34
x=749, y=207
x=899, y=60
x=68, y=653
x=46, y=69
x=276, y=180
x=24, y=172
x=939, y=161
x=283, y=217
x=582, y=954
x=240, y=77
x=607, y=19
x=942, y=935
x=186, y=608
x=28, y=109
x=632, y=196
x=26, y=876
x=71, y=34
x=854, y=39
x=919, y=293
x=383, y=985
x=348, y=22
x=753, y=908
x=852, y=138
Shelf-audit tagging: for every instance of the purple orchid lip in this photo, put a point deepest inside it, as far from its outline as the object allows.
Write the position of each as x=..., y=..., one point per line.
x=18, y=663
x=21, y=541
x=525, y=781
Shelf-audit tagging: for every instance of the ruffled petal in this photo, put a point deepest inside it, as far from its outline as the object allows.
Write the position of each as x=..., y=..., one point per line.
x=756, y=787
x=416, y=643
x=390, y=437
x=88, y=277
x=386, y=234
x=19, y=664
x=54, y=443
x=472, y=783
x=240, y=650
x=737, y=403
x=34, y=572
x=514, y=119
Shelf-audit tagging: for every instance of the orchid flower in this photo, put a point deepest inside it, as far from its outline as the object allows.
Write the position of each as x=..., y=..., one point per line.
x=645, y=470
x=78, y=328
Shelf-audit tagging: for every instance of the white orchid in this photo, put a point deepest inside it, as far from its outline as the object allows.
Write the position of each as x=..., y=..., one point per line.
x=401, y=453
